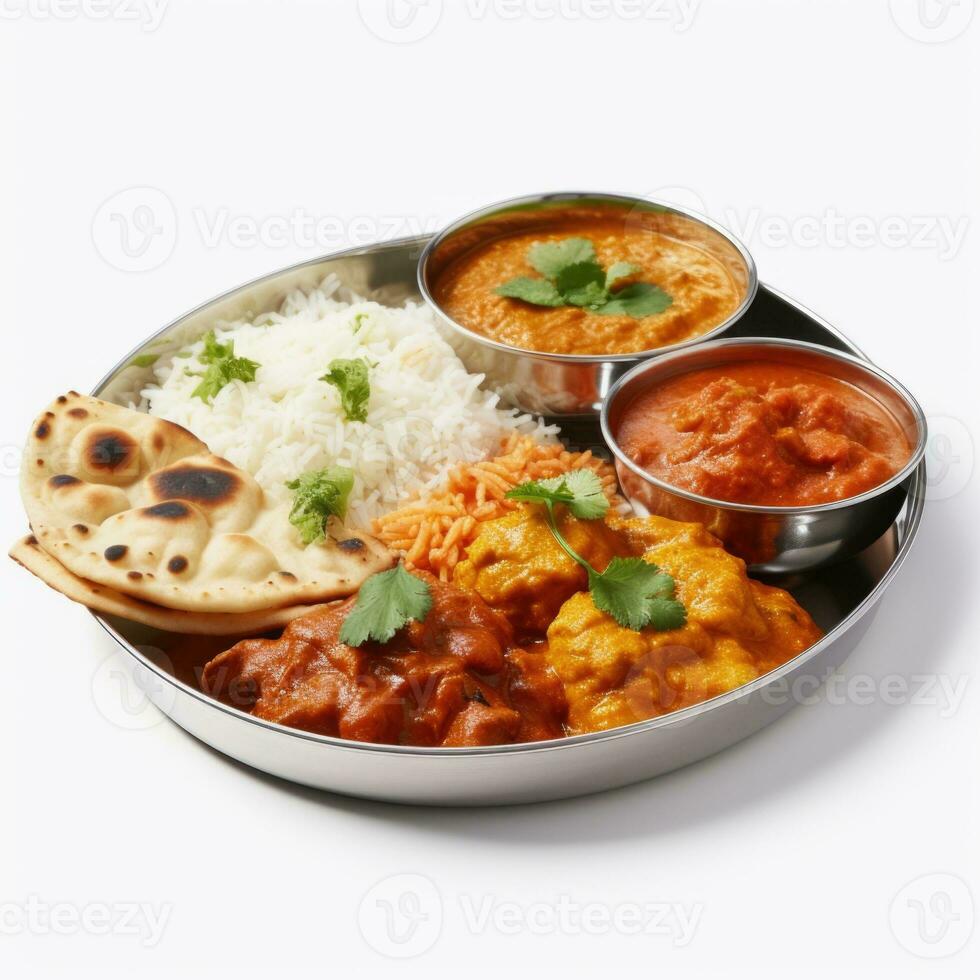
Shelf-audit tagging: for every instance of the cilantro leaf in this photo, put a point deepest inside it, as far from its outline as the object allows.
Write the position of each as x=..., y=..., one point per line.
x=667, y=614
x=620, y=270
x=540, y=292
x=549, y=258
x=580, y=490
x=214, y=350
x=221, y=367
x=385, y=603
x=582, y=284
x=636, y=300
x=317, y=496
x=358, y=322
x=220, y=373
x=633, y=592
x=588, y=500
x=350, y=378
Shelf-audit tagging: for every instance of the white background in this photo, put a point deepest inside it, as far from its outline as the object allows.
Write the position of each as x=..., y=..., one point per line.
x=803, y=125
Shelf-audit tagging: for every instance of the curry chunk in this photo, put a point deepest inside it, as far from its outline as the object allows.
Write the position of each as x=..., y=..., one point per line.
x=711, y=583
x=454, y=680
x=736, y=630
x=519, y=568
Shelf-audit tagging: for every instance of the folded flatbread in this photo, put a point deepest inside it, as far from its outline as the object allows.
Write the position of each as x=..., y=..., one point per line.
x=35, y=559
x=139, y=505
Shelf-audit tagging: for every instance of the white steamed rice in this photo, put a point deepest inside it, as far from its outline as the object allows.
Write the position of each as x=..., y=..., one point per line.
x=426, y=412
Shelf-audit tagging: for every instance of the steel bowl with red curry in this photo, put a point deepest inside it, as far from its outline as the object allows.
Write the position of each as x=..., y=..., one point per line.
x=764, y=433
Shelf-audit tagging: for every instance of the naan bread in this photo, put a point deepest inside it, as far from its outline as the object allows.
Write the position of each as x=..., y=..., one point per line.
x=35, y=559
x=140, y=505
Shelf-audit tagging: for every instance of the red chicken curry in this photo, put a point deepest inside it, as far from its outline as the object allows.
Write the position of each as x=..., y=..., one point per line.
x=764, y=433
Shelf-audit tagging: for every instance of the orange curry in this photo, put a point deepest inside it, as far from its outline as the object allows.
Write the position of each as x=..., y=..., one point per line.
x=703, y=288
x=764, y=433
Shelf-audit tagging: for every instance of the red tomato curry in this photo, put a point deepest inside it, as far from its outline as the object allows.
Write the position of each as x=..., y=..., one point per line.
x=764, y=433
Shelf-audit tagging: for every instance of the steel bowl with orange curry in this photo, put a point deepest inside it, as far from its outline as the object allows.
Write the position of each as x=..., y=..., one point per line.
x=704, y=283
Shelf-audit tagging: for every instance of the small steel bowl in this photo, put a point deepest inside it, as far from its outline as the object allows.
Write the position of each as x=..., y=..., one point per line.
x=772, y=539
x=566, y=385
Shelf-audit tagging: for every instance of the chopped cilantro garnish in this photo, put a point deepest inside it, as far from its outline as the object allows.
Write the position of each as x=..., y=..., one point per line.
x=633, y=591
x=318, y=496
x=221, y=367
x=385, y=603
x=350, y=378
x=574, y=277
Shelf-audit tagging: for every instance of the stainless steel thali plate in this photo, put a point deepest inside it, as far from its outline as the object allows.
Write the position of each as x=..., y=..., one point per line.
x=842, y=599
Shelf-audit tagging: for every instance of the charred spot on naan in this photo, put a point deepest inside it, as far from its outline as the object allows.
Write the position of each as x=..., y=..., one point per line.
x=206, y=485
x=109, y=451
x=62, y=480
x=169, y=510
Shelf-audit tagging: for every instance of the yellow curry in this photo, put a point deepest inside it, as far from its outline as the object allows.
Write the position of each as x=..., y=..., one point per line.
x=737, y=629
